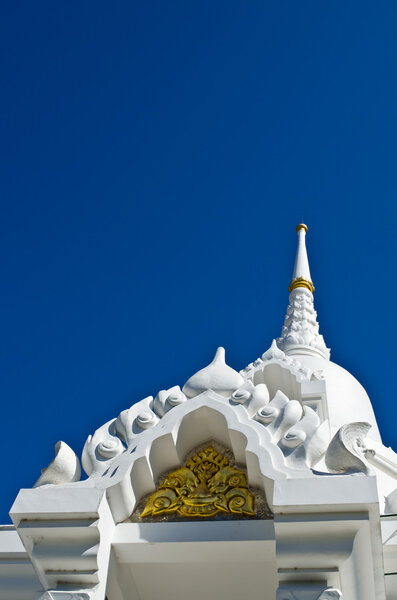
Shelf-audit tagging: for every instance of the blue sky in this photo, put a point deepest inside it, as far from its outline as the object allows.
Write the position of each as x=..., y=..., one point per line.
x=155, y=160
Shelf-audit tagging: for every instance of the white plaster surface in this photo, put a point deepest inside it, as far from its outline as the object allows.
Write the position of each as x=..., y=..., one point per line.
x=301, y=266
x=18, y=580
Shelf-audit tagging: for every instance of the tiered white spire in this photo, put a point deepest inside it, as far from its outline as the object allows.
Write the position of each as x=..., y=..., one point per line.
x=301, y=330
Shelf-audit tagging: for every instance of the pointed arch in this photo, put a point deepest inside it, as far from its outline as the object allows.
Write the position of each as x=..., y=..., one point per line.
x=206, y=417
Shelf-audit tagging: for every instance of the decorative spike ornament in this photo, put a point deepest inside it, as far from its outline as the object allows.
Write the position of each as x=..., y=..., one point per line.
x=301, y=329
x=217, y=376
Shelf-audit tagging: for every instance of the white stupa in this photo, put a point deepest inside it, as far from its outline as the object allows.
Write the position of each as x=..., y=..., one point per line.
x=270, y=483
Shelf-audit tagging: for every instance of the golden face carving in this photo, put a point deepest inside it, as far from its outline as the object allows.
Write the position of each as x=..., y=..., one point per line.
x=206, y=487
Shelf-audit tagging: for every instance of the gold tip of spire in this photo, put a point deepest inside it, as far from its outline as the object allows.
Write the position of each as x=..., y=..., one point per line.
x=301, y=226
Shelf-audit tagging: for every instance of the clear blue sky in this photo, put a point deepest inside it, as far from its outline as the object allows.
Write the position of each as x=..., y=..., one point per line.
x=156, y=158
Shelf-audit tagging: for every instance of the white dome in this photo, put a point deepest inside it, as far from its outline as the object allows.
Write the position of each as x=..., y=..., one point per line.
x=347, y=400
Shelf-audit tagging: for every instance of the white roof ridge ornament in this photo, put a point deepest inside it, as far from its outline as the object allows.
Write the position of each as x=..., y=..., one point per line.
x=300, y=332
x=216, y=376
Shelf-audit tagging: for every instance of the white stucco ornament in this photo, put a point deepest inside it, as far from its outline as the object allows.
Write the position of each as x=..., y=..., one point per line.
x=276, y=356
x=301, y=327
x=101, y=447
x=279, y=415
x=346, y=452
x=217, y=376
x=252, y=397
x=168, y=399
x=65, y=468
x=273, y=353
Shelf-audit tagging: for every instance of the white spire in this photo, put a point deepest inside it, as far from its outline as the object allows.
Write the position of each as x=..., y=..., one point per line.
x=301, y=276
x=300, y=331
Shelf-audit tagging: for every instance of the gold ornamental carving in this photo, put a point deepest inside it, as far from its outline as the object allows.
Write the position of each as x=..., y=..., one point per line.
x=207, y=486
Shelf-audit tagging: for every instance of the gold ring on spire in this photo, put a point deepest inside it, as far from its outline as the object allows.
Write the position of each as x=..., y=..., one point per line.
x=301, y=226
x=301, y=282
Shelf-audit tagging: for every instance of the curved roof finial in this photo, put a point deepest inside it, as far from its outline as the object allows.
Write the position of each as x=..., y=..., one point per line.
x=301, y=276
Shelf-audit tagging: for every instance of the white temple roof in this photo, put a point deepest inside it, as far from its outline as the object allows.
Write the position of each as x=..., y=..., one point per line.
x=290, y=442
x=288, y=405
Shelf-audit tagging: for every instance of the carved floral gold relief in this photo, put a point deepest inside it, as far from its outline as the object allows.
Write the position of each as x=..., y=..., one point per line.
x=207, y=486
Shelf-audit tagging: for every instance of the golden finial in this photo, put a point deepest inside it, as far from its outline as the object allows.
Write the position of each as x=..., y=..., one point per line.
x=301, y=226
